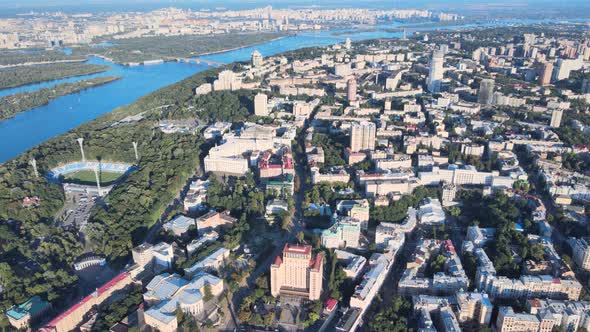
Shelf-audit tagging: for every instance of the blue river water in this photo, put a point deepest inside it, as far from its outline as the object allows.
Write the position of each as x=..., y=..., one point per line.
x=27, y=129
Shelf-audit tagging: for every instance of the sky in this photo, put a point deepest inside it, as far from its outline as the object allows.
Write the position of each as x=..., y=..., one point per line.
x=480, y=7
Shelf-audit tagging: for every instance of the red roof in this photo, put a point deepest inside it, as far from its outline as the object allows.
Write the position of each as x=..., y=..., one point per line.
x=98, y=292
x=297, y=249
x=535, y=302
x=330, y=304
x=316, y=262
x=278, y=261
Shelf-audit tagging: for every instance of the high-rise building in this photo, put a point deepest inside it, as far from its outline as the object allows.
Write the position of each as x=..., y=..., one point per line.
x=564, y=67
x=545, y=74
x=435, y=74
x=227, y=80
x=348, y=44
x=486, y=92
x=362, y=136
x=257, y=59
x=260, y=105
x=351, y=90
x=556, y=116
x=298, y=273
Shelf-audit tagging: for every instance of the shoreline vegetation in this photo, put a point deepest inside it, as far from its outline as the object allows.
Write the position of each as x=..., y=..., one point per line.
x=25, y=101
x=24, y=57
x=21, y=76
x=135, y=51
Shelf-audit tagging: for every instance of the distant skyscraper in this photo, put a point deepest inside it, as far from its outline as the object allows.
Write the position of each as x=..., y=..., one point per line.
x=260, y=105
x=257, y=59
x=435, y=74
x=362, y=136
x=297, y=273
x=545, y=74
x=351, y=90
x=556, y=118
x=486, y=92
x=348, y=44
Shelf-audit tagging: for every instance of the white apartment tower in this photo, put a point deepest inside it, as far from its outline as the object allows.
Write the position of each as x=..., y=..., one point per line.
x=362, y=136
x=556, y=116
x=261, y=105
x=435, y=74
x=257, y=59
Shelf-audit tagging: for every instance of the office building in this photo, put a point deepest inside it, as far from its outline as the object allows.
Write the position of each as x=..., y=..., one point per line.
x=436, y=72
x=261, y=105
x=556, y=116
x=486, y=92
x=362, y=136
x=351, y=90
x=298, y=273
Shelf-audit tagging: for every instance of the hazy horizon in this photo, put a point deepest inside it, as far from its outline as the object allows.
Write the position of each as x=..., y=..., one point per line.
x=574, y=8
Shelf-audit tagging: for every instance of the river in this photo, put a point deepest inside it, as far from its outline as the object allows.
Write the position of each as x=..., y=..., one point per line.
x=33, y=127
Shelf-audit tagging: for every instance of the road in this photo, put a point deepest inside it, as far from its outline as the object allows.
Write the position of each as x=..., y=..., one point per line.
x=297, y=225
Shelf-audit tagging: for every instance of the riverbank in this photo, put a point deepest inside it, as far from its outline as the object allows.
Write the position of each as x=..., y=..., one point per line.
x=24, y=101
x=21, y=76
x=25, y=64
x=241, y=47
x=137, y=51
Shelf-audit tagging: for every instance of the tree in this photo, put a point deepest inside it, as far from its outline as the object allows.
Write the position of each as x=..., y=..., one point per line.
x=208, y=295
x=300, y=237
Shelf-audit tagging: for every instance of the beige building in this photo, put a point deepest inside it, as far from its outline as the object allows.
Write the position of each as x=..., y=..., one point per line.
x=214, y=220
x=545, y=74
x=509, y=321
x=227, y=80
x=297, y=273
x=261, y=105
x=76, y=314
x=474, y=307
x=351, y=90
x=556, y=116
x=362, y=136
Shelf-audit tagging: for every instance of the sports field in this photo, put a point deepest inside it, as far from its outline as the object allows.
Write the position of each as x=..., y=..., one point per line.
x=88, y=177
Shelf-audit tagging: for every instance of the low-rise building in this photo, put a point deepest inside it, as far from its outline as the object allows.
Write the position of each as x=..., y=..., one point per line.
x=24, y=315
x=211, y=263
x=166, y=293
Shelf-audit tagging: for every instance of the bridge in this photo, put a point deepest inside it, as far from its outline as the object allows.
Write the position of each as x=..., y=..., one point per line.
x=199, y=61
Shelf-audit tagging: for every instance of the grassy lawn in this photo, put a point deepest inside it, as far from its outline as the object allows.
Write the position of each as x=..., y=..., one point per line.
x=88, y=177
